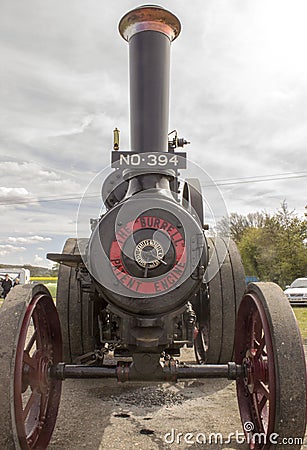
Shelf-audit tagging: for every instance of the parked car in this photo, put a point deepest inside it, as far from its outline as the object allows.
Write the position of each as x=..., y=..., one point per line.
x=297, y=291
x=251, y=279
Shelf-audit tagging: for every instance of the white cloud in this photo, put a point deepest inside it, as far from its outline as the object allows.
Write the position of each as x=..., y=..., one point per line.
x=42, y=181
x=7, y=249
x=25, y=170
x=28, y=240
x=38, y=260
x=42, y=191
x=11, y=195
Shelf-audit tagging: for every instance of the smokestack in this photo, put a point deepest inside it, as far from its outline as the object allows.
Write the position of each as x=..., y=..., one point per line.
x=149, y=31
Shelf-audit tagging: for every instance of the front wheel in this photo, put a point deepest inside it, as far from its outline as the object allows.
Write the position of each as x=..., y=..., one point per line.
x=272, y=393
x=30, y=343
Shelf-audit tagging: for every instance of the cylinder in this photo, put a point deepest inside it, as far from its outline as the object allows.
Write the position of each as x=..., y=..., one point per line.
x=149, y=31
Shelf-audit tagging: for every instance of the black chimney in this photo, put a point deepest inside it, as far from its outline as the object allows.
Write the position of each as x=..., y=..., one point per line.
x=149, y=31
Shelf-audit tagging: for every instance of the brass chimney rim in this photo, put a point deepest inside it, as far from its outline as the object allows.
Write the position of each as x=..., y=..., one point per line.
x=149, y=18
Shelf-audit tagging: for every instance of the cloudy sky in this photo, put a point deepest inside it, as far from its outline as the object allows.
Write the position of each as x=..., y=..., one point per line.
x=238, y=93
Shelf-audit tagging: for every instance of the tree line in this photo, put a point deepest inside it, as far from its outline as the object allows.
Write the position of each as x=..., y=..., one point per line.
x=272, y=246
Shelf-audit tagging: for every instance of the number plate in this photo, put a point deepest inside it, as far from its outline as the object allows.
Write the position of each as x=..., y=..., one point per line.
x=149, y=160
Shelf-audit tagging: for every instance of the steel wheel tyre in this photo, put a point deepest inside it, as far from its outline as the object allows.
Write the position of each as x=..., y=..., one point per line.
x=30, y=342
x=219, y=302
x=73, y=307
x=192, y=197
x=272, y=393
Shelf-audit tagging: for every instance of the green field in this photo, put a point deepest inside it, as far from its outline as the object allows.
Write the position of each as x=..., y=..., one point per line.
x=52, y=288
x=49, y=282
x=301, y=315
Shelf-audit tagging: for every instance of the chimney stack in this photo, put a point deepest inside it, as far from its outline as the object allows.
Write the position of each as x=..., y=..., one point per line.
x=149, y=31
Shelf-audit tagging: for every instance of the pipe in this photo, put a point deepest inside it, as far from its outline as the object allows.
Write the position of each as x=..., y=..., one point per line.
x=149, y=31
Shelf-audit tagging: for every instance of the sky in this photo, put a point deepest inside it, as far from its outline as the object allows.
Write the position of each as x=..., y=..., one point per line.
x=238, y=93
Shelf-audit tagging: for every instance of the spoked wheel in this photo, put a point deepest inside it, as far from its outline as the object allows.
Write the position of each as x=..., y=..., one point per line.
x=74, y=308
x=30, y=343
x=218, y=303
x=272, y=393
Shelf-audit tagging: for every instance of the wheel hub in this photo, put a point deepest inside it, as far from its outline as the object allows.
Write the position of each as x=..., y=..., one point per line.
x=36, y=375
x=255, y=369
x=43, y=369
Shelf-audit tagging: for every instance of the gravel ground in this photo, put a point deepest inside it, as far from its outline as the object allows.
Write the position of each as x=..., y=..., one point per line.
x=98, y=415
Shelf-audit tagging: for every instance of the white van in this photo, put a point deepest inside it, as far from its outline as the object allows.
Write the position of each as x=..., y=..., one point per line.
x=22, y=274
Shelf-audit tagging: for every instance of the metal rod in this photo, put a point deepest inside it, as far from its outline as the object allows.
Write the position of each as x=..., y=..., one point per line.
x=123, y=372
x=63, y=371
x=206, y=371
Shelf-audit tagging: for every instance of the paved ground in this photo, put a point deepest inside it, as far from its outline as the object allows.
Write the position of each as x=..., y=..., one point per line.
x=98, y=415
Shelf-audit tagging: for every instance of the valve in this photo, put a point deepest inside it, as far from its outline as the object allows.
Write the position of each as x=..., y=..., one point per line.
x=176, y=142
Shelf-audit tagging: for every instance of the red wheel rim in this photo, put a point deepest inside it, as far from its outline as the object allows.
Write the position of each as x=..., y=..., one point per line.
x=36, y=396
x=257, y=390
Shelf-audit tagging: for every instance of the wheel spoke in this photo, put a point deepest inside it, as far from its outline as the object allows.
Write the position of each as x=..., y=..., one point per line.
x=263, y=389
x=30, y=361
x=43, y=407
x=260, y=401
x=259, y=407
x=263, y=403
x=260, y=349
x=37, y=327
x=31, y=342
x=256, y=330
x=31, y=401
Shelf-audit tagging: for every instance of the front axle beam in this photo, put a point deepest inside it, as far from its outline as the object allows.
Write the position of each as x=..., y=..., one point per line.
x=170, y=371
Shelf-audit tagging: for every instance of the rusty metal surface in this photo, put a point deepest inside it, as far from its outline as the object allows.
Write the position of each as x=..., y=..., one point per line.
x=151, y=18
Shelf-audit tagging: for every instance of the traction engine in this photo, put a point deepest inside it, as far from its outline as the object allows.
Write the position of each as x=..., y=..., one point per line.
x=147, y=282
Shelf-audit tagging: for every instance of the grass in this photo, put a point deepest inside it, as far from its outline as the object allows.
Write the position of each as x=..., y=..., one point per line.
x=49, y=282
x=52, y=288
x=301, y=315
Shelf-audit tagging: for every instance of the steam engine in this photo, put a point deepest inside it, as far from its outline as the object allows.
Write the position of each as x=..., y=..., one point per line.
x=147, y=282
x=144, y=262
